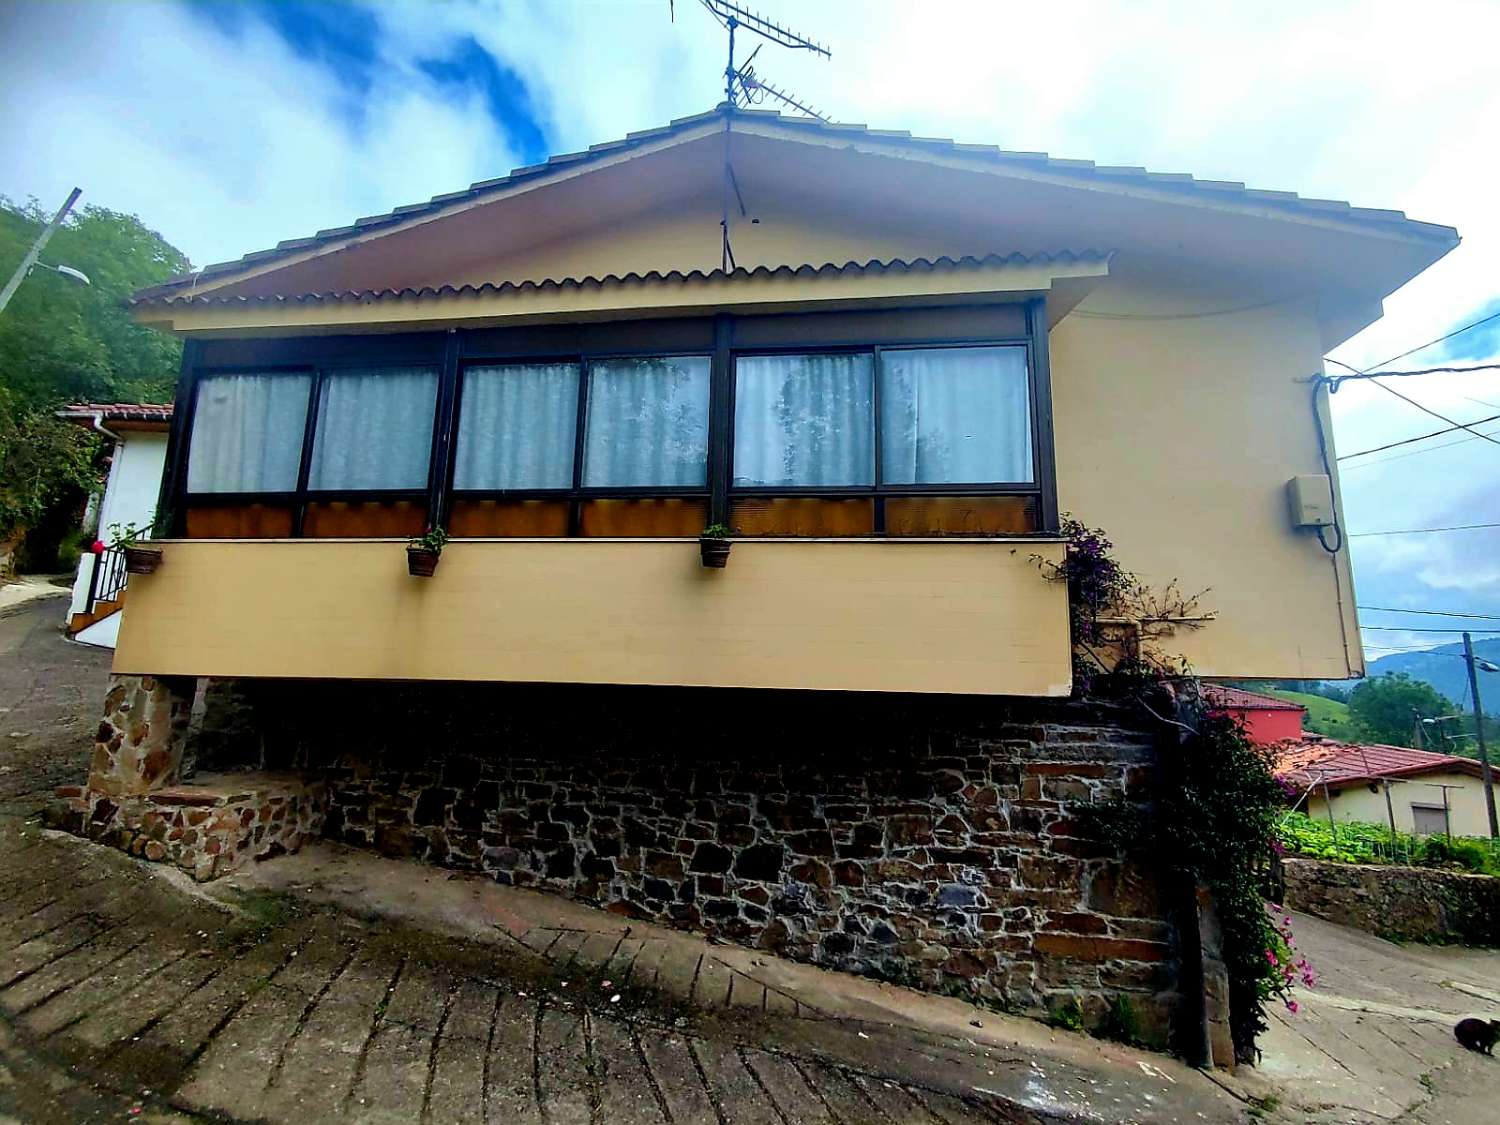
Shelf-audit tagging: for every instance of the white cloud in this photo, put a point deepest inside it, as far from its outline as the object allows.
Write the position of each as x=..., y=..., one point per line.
x=224, y=144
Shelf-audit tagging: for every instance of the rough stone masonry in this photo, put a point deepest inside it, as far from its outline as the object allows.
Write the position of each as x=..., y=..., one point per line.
x=926, y=840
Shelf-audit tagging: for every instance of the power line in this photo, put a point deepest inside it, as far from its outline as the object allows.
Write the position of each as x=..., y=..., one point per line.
x=1430, y=612
x=1440, y=417
x=1440, y=339
x=1412, y=453
x=1424, y=530
x=1420, y=437
x=1372, y=374
x=1403, y=629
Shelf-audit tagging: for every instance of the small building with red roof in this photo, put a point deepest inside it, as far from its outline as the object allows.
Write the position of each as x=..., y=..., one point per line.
x=1266, y=719
x=1428, y=793
x=135, y=434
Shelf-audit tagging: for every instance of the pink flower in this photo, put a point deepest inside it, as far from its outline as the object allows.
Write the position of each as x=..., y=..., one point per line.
x=1291, y=1006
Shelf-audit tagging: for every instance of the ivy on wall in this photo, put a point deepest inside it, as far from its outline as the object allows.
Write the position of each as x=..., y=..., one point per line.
x=1217, y=802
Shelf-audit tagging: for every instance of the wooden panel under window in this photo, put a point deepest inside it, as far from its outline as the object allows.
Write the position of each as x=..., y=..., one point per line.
x=503, y=519
x=240, y=521
x=364, y=519
x=803, y=516
x=960, y=515
x=629, y=519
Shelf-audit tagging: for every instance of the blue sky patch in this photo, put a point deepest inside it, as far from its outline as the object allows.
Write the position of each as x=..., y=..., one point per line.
x=1478, y=343
x=469, y=66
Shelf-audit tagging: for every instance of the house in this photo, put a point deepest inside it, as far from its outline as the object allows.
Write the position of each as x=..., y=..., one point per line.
x=136, y=440
x=1266, y=719
x=1422, y=792
x=889, y=364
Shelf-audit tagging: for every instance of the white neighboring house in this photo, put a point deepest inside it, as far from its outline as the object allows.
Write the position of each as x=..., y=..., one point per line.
x=137, y=435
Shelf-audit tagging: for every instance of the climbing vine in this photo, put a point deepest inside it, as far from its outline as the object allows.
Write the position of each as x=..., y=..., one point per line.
x=1217, y=801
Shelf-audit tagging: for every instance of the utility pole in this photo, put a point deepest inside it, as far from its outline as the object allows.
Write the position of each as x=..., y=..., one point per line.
x=36, y=249
x=1484, y=757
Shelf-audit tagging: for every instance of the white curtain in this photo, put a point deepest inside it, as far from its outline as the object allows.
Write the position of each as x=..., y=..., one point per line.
x=247, y=432
x=955, y=416
x=374, y=429
x=804, y=420
x=647, y=423
x=516, y=425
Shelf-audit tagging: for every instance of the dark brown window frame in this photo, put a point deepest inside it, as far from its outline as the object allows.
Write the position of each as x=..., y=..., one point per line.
x=455, y=350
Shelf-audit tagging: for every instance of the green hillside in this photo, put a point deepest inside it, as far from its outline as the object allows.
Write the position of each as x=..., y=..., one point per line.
x=1324, y=716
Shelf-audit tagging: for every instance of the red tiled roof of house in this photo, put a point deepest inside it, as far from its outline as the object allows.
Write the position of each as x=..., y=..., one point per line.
x=1237, y=699
x=1340, y=763
x=118, y=411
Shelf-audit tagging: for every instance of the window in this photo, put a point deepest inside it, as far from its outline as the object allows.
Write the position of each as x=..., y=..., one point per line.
x=955, y=416
x=804, y=420
x=810, y=457
x=1429, y=820
x=647, y=423
x=374, y=430
x=515, y=427
x=247, y=432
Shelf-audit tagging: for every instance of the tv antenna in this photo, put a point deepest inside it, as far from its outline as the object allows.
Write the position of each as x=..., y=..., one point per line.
x=742, y=86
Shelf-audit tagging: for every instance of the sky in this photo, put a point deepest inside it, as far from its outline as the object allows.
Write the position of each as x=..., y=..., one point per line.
x=231, y=126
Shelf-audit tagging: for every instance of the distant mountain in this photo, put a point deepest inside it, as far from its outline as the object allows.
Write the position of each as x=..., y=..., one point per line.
x=1444, y=669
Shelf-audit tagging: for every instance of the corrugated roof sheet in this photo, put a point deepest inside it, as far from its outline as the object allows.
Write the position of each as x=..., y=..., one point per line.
x=1343, y=763
x=1083, y=169
x=119, y=411
x=829, y=269
x=1237, y=699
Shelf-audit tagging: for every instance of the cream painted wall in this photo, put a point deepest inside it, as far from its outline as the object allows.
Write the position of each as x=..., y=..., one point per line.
x=1466, y=807
x=973, y=617
x=1176, y=434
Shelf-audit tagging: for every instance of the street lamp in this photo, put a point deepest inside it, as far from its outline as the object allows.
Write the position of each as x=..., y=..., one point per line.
x=36, y=252
x=69, y=272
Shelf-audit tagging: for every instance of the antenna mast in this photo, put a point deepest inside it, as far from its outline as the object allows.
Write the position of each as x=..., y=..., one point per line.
x=741, y=85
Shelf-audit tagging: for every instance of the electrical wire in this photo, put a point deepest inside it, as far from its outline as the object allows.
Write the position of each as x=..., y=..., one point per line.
x=1419, y=437
x=1403, y=629
x=1373, y=374
x=1413, y=452
x=1430, y=612
x=1423, y=530
x=1327, y=472
x=1440, y=339
x=1335, y=381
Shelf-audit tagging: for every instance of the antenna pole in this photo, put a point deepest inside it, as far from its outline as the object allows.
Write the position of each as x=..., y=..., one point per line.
x=729, y=71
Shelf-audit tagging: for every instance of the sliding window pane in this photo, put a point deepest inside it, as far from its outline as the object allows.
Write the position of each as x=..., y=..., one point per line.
x=647, y=423
x=804, y=420
x=247, y=432
x=374, y=429
x=516, y=426
x=955, y=416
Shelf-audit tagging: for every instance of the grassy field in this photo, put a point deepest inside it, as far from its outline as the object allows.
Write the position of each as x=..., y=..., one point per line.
x=1324, y=716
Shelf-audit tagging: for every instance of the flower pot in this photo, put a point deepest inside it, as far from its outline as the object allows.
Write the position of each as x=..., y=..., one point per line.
x=421, y=562
x=142, y=560
x=715, y=552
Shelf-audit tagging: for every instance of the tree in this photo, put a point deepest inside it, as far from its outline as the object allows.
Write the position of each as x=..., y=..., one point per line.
x=1387, y=707
x=61, y=343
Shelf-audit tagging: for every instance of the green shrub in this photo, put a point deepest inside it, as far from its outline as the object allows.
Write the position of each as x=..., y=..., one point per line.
x=1360, y=842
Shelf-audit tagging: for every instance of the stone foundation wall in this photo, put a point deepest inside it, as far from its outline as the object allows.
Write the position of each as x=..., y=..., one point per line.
x=1404, y=903
x=208, y=828
x=926, y=840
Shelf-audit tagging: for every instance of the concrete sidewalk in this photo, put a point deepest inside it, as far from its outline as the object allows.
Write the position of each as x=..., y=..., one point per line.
x=778, y=1005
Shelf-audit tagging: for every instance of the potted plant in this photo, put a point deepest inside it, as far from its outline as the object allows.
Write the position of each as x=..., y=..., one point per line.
x=422, y=553
x=134, y=541
x=713, y=546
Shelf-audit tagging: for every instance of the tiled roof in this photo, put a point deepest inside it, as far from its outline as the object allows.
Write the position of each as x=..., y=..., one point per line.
x=1237, y=699
x=1342, y=763
x=119, y=411
x=828, y=269
x=1086, y=170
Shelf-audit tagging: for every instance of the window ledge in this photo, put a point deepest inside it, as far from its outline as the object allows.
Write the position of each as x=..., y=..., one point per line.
x=893, y=540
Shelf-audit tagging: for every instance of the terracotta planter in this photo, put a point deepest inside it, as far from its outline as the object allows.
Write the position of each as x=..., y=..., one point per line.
x=715, y=552
x=142, y=560
x=421, y=562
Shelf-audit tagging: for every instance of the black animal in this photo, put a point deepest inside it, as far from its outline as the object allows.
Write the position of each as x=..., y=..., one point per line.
x=1478, y=1035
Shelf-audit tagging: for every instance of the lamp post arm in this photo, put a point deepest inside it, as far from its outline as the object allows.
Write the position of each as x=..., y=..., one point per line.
x=36, y=249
